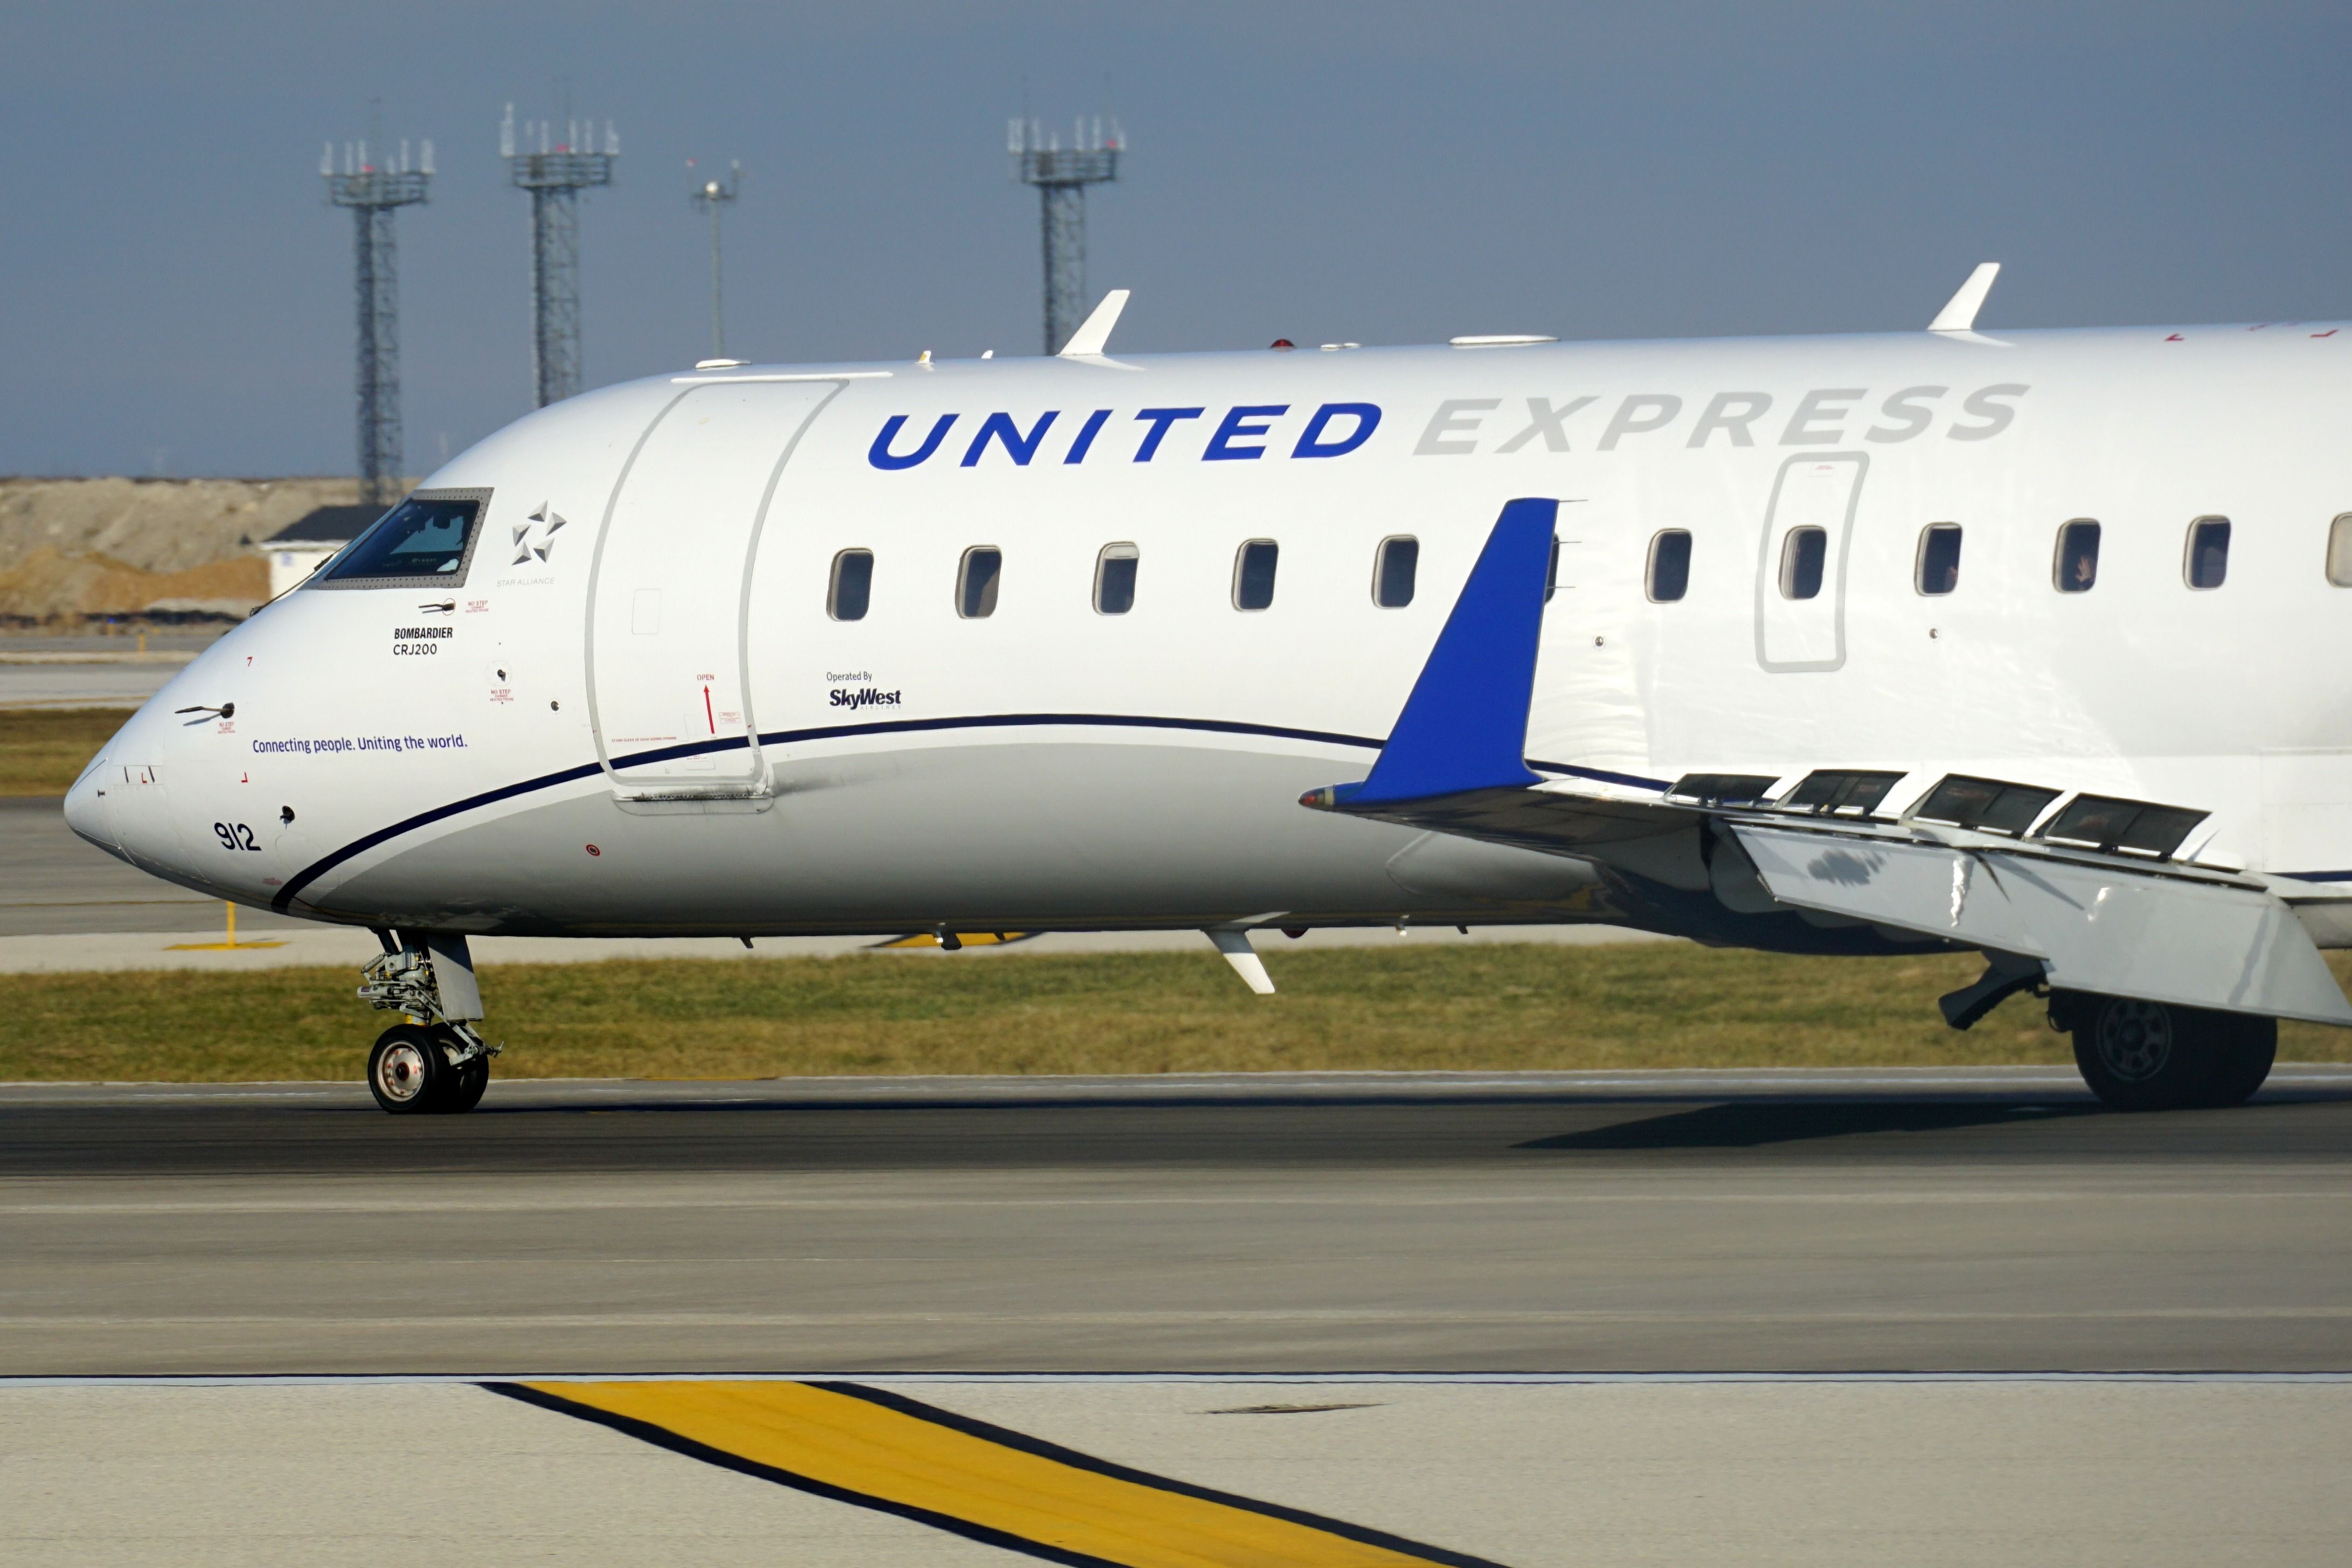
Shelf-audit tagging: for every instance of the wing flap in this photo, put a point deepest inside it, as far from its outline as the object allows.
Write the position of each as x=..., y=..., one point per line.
x=1924, y=888
x=2199, y=943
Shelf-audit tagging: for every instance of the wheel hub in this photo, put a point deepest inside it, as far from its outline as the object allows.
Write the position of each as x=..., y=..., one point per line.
x=2135, y=1039
x=400, y=1072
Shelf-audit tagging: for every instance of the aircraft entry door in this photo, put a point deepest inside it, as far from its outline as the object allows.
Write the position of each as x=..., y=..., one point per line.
x=668, y=689
x=1801, y=568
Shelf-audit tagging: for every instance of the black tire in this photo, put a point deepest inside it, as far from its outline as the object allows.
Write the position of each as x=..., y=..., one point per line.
x=2247, y=1051
x=466, y=1084
x=2153, y=1056
x=407, y=1072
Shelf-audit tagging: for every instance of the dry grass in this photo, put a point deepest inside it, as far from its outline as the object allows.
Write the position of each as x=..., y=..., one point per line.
x=43, y=751
x=1475, y=1008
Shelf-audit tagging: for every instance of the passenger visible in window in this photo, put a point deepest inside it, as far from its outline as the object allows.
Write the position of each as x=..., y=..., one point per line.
x=976, y=582
x=846, y=597
x=1253, y=575
x=1115, y=579
x=1803, y=554
x=1669, y=575
x=1393, y=567
x=2208, y=559
x=1938, y=571
x=2078, y=557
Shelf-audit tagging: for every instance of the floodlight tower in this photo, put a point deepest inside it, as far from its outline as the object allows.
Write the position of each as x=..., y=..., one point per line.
x=556, y=175
x=374, y=192
x=715, y=194
x=1062, y=176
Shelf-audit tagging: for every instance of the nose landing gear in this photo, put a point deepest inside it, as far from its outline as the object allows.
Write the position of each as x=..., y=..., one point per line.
x=436, y=1062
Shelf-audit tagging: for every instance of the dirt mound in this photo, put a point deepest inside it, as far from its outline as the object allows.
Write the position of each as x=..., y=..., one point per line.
x=70, y=547
x=49, y=584
x=154, y=525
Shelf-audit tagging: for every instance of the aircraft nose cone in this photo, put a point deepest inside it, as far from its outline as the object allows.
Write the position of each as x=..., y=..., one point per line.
x=86, y=811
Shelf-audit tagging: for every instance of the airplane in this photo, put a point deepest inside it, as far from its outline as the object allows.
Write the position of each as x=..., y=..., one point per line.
x=2030, y=645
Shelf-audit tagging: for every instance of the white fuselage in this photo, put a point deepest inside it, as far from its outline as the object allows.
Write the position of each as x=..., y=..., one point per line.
x=636, y=715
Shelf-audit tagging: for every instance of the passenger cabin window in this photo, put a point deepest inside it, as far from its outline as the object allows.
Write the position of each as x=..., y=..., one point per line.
x=1115, y=579
x=976, y=582
x=1393, y=572
x=2207, y=562
x=1938, y=570
x=1253, y=575
x=1802, y=555
x=1669, y=576
x=2077, y=565
x=425, y=542
x=2339, y=550
x=846, y=597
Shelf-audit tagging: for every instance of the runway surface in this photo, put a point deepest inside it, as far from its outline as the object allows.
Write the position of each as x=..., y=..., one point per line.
x=1988, y=1219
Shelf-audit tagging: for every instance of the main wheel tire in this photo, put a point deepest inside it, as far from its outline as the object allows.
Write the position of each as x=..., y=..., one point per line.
x=2247, y=1051
x=2153, y=1056
x=2137, y=1055
x=466, y=1084
x=407, y=1072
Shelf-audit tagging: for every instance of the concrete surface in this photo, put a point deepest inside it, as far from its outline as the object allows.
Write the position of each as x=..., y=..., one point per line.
x=1982, y=1219
x=2149, y=1474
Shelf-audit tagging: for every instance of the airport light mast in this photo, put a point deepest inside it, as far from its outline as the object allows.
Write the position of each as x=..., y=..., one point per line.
x=555, y=173
x=715, y=196
x=373, y=193
x=1061, y=176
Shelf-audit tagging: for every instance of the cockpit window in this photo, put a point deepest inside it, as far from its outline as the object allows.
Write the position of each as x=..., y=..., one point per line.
x=425, y=541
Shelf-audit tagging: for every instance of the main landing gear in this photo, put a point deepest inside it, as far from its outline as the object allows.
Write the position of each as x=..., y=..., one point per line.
x=2153, y=1056
x=436, y=1061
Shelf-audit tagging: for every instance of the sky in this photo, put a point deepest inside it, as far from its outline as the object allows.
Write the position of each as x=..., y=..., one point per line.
x=178, y=295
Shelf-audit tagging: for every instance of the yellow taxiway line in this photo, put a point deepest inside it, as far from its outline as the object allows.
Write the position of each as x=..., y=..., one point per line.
x=880, y=1450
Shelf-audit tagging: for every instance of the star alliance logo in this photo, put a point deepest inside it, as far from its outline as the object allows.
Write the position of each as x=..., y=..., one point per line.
x=549, y=521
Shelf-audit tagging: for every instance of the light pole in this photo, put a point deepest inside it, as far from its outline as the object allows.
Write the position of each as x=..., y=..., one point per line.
x=714, y=195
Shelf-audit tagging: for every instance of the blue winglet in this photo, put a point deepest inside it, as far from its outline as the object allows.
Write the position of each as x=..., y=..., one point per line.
x=1465, y=725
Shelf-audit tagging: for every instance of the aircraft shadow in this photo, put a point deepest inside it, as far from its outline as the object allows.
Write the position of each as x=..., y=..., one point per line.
x=1749, y=1125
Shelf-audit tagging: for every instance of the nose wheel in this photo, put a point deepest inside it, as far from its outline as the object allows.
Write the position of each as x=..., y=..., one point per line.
x=410, y=1071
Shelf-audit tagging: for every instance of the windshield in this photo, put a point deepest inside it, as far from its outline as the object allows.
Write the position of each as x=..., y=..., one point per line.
x=426, y=540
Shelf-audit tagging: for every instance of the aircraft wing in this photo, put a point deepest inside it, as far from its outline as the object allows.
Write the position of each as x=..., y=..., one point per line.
x=2106, y=910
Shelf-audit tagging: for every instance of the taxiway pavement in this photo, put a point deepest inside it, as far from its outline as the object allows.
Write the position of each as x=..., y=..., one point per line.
x=1987, y=1219
x=2132, y=1473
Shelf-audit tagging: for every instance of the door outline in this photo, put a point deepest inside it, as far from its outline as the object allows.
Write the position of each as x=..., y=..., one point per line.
x=753, y=782
x=1768, y=560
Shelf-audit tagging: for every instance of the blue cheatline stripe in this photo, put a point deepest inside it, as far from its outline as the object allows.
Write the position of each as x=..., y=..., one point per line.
x=320, y=867
x=316, y=868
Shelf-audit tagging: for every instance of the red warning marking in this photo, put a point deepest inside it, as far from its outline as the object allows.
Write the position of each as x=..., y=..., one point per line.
x=705, y=710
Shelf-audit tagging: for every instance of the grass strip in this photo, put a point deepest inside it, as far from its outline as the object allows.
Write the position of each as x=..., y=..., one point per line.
x=44, y=750
x=1471, y=1007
